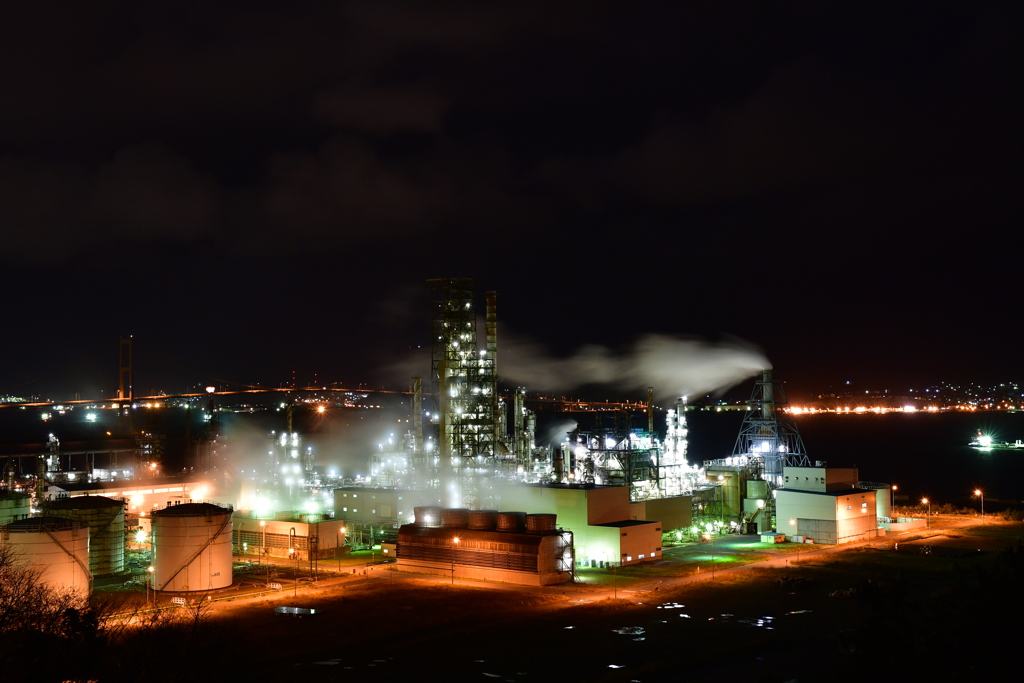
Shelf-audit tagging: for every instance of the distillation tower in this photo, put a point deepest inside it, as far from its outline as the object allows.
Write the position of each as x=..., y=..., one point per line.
x=465, y=379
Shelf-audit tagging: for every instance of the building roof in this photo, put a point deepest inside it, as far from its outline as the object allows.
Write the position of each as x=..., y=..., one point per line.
x=532, y=538
x=571, y=487
x=121, y=484
x=81, y=502
x=834, y=494
x=628, y=522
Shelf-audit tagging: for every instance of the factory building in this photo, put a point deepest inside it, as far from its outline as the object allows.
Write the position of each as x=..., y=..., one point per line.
x=288, y=535
x=369, y=505
x=826, y=505
x=511, y=547
x=142, y=497
x=608, y=530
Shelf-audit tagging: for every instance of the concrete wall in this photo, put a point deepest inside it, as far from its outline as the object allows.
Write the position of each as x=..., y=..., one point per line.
x=359, y=504
x=640, y=543
x=819, y=478
x=673, y=513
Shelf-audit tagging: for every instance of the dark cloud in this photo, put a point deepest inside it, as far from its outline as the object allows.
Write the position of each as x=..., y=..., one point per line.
x=149, y=192
x=675, y=165
x=415, y=107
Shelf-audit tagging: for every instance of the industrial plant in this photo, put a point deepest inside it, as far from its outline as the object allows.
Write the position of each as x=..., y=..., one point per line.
x=466, y=491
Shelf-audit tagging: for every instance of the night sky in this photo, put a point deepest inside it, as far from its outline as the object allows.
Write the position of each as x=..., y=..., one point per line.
x=254, y=190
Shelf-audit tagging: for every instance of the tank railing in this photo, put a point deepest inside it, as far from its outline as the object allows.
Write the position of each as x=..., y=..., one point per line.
x=197, y=553
x=71, y=554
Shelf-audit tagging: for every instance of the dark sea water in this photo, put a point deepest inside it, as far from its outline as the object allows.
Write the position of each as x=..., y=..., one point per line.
x=923, y=454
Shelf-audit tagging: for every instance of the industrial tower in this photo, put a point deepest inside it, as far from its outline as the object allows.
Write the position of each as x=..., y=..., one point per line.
x=465, y=389
x=768, y=438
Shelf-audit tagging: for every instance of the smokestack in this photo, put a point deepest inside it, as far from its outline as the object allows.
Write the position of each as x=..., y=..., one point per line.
x=417, y=413
x=767, y=396
x=492, y=328
x=491, y=300
x=650, y=410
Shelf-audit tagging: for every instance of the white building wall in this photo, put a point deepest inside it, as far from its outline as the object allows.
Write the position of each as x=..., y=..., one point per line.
x=826, y=518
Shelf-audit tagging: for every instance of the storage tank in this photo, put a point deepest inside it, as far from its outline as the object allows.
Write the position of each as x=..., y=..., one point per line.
x=454, y=518
x=482, y=520
x=192, y=547
x=428, y=516
x=541, y=522
x=13, y=505
x=105, y=519
x=59, y=547
x=511, y=521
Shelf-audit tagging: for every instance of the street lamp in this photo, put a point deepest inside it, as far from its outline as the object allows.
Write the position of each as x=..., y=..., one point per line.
x=709, y=537
x=455, y=542
x=929, y=504
x=291, y=552
x=892, y=504
x=981, y=494
x=341, y=546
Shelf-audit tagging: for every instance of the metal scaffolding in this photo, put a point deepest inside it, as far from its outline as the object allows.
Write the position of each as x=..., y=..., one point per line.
x=465, y=389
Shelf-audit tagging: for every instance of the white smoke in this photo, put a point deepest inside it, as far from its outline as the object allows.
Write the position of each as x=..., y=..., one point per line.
x=674, y=366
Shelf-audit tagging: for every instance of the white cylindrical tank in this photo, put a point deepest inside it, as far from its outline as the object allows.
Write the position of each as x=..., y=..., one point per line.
x=192, y=547
x=57, y=546
x=105, y=519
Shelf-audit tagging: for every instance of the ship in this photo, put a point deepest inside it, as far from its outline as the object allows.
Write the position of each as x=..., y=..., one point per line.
x=985, y=442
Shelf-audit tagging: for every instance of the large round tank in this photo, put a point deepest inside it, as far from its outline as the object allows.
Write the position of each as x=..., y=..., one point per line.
x=482, y=520
x=541, y=522
x=59, y=547
x=105, y=518
x=454, y=518
x=428, y=516
x=13, y=506
x=511, y=521
x=192, y=547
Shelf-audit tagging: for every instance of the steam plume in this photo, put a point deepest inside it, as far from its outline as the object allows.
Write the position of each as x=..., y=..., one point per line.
x=674, y=366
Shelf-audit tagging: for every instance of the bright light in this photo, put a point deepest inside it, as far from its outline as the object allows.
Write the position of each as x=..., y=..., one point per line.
x=210, y=390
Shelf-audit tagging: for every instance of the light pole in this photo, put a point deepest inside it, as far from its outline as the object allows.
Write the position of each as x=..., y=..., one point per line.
x=295, y=590
x=710, y=537
x=892, y=505
x=455, y=542
x=929, y=504
x=263, y=548
x=981, y=494
x=341, y=546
